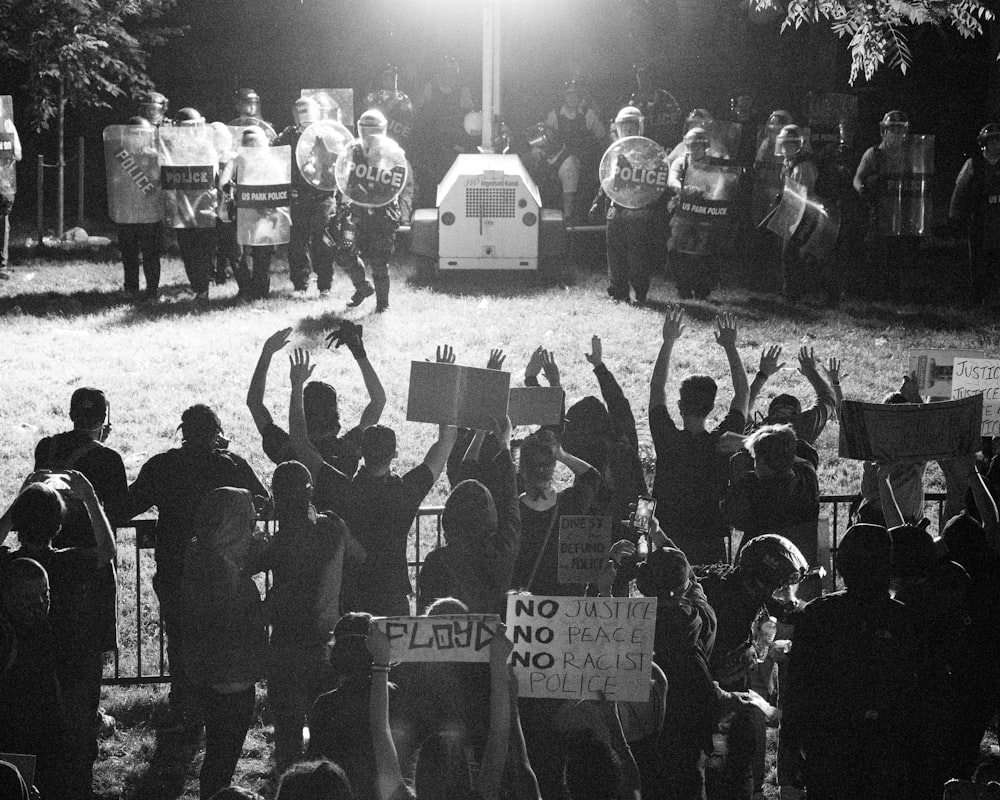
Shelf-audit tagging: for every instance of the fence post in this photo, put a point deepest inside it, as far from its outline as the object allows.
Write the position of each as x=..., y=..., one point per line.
x=40, y=194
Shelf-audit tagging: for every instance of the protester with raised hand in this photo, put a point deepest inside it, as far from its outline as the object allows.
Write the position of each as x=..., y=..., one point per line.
x=482, y=531
x=378, y=505
x=430, y=783
x=690, y=473
x=320, y=405
x=786, y=408
x=541, y=361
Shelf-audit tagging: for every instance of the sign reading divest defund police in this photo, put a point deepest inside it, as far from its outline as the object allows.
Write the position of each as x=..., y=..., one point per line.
x=582, y=647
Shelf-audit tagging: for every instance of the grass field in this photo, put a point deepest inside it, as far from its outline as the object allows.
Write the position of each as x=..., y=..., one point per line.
x=65, y=323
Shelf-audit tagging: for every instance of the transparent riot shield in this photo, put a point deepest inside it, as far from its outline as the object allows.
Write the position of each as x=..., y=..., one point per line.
x=240, y=123
x=805, y=220
x=317, y=150
x=830, y=116
x=806, y=144
x=133, y=174
x=263, y=195
x=766, y=174
x=723, y=138
x=373, y=173
x=904, y=206
x=335, y=104
x=8, y=165
x=633, y=172
x=188, y=163
x=702, y=221
x=398, y=110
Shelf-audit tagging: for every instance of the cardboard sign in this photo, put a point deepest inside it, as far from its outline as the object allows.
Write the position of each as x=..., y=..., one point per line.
x=979, y=377
x=584, y=545
x=910, y=431
x=535, y=405
x=456, y=638
x=933, y=370
x=449, y=394
x=580, y=647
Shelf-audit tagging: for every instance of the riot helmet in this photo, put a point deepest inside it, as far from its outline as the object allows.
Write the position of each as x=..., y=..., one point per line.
x=372, y=123
x=190, y=116
x=990, y=131
x=153, y=107
x=779, y=118
x=895, y=121
x=697, y=118
x=741, y=105
x=773, y=561
x=247, y=103
x=253, y=136
x=572, y=94
x=790, y=141
x=140, y=122
x=696, y=141
x=629, y=122
x=306, y=111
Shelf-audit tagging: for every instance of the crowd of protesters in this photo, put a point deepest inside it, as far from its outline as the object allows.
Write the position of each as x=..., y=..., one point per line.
x=883, y=689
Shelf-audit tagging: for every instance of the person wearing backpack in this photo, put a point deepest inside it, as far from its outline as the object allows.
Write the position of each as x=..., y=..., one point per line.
x=83, y=449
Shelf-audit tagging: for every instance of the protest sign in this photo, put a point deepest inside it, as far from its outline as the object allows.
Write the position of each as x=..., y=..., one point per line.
x=582, y=647
x=910, y=431
x=979, y=377
x=449, y=394
x=933, y=368
x=456, y=638
x=535, y=405
x=584, y=545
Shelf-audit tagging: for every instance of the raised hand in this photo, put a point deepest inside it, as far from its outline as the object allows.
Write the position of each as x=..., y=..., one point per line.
x=673, y=324
x=502, y=431
x=299, y=367
x=497, y=357
x=550, y=368
x=276, y=341
x=769, y=361
x=725, y=330
x=596, y=354
x=79, y=487
x=444, y=354
x=833, y=373
x=807, y=360
x=534, y=365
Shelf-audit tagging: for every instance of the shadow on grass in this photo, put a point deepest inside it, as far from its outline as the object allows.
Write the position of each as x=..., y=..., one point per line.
x=498, y=283
x=166, y=771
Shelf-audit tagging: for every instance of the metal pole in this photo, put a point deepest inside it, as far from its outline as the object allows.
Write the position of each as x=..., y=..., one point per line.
x=489, y=65
x=79, y=183
x=61, y=166
x=40, y=194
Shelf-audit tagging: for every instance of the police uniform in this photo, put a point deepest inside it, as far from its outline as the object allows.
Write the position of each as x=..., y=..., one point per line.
x=976, y=202
x=312, y=241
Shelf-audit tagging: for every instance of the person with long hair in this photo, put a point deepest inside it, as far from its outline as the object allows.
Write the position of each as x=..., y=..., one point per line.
x=225, y=639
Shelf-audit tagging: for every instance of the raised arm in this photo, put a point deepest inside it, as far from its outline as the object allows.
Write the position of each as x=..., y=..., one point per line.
x=327, y=608
x=305, y=451
x=438, y=454
x=498, y=737
x=834, y=375
x=725, y=337
x=349, y=334
x=631, y=785
x=619, y=408
x=809, y=370
x=769, y=359
x=673, y=327
x=389, y=777
x=83, y=490
x=258, y=382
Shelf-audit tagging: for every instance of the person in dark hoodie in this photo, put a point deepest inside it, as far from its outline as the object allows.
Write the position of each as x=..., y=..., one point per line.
x=851, y=676
x=482, y=535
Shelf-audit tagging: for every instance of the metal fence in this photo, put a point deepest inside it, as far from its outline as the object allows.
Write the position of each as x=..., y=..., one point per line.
x=142, y=657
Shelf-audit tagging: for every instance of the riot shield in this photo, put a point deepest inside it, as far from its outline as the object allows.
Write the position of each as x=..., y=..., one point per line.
x=633, y=172
x=806, y=144
x=317, y=150
x=335, y=104
x=224, y=141
x=133, y=174
x=240, y=123
x=702, y=221
x=372, y=177
x=398, y=110
x=904, y=205
x=188, y=162
x=766, y=174
x=806, y=221
x=263, y=195
x=828, y=112
x=723, y=138
x=8, y=166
